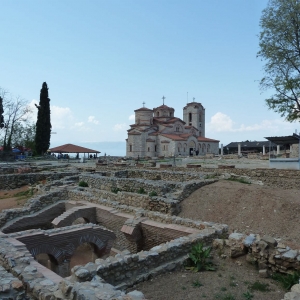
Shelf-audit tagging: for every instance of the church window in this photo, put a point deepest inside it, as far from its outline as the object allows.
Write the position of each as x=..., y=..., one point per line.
x=130, y=148
x=190, y=117
x=165, y=113
x=164, y=147
x=177, y=129
x=157, y=114
x=170, y=114
x=148, y=149
x=155, y=148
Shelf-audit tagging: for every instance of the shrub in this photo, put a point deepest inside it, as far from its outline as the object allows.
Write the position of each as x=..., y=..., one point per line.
x=241, y=180
x=258, y=286
x=115, y=190
x=199, y=258
x=152, y=194
x=287, y=280
x=83, y=184
x=141, y=191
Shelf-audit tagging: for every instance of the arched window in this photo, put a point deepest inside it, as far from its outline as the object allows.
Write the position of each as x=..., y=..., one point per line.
x=148, y=149
x=190, y=117
x=130, y=148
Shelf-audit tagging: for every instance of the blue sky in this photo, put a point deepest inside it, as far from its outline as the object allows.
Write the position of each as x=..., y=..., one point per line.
x=102, y=59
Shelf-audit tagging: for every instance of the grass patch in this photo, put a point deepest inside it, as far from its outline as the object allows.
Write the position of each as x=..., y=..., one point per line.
x=83, y=184
x=287, y=280
x=241, y=180
x=152, y=194
x=210, y=176
x=197, y=283
x=141, y=191
x=115, y=190
x=258, y=286
x=24, y=194
x=248, y=295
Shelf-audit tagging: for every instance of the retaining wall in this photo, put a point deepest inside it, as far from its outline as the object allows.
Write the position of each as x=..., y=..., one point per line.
x=13, y=181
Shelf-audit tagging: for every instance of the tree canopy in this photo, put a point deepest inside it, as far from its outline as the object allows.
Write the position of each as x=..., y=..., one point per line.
x=43, y=124
x=279, y=42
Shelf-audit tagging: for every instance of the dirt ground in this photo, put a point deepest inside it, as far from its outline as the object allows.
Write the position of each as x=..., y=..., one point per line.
x=247, y=208
x=13, y=198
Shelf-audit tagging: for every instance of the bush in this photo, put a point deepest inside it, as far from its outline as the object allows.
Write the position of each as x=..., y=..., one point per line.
x=287, y=280
x=153, y=194
x=141, y=191
x=83, y=184
x=115, y=190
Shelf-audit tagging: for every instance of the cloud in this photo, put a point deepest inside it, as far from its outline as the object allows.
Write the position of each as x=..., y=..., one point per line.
x=119, y=127
x=220, y=122
x=91, y=119
x=79, y=124
x=131, y=117
x=223, y=123
x=61, y=117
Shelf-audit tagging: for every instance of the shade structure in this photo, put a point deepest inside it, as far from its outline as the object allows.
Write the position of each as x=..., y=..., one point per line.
x=70, y=148
x=283, y=140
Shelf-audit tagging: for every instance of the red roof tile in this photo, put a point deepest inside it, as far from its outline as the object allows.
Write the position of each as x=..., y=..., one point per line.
x=70, y=148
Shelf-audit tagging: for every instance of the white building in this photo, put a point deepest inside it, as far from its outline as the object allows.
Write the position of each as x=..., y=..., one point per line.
x=157, y=132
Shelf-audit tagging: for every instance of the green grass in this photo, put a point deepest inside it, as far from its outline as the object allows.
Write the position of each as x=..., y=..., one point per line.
x=287, y=280
x=141, y=191
x=258, y=286
x=248, y=295
x=197, y=283
x=83, y=184
x=152, y=194
x=115, y=190
x=241, y=180
x=25, y=194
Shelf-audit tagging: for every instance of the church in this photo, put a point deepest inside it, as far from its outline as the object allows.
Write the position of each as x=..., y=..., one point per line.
x=157, y=132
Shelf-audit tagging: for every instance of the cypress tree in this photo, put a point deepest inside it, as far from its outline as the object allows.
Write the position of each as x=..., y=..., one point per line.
x=43, y=124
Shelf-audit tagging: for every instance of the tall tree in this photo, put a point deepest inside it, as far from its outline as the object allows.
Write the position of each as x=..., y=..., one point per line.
x=279, y=43
x=16, y=112
x=1, y=113
x=43, y=124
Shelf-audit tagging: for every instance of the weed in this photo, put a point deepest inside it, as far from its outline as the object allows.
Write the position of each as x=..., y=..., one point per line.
x=152, y=194
x=115, y=190
x=199, y=258
x=224, y=297
x=248, y=295
x=141, y=191
x=223, y=289
x=197, y=283
x=232, y=277
x=287, y=280
x=210, y=176
x=232, y=284
x=241, y=180
x=258, y=286
x=183, y=288
x=83, y=184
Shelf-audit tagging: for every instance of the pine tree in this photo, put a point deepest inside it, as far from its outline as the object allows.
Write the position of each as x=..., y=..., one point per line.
x=43, y=124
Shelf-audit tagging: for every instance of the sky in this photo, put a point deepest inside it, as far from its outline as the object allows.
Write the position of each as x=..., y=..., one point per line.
x=103, y=59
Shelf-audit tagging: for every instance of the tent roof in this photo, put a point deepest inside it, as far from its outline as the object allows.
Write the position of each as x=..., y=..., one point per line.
x=70, y=148
x=283, y=140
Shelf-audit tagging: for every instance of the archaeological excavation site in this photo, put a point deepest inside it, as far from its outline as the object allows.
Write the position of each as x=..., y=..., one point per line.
x=98, y=231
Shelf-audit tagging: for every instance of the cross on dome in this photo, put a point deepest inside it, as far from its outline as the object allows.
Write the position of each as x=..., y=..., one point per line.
x=163, y=99
x=144, y=104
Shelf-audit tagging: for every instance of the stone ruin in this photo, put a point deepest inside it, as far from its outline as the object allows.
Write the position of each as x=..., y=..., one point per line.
x=128, y=216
